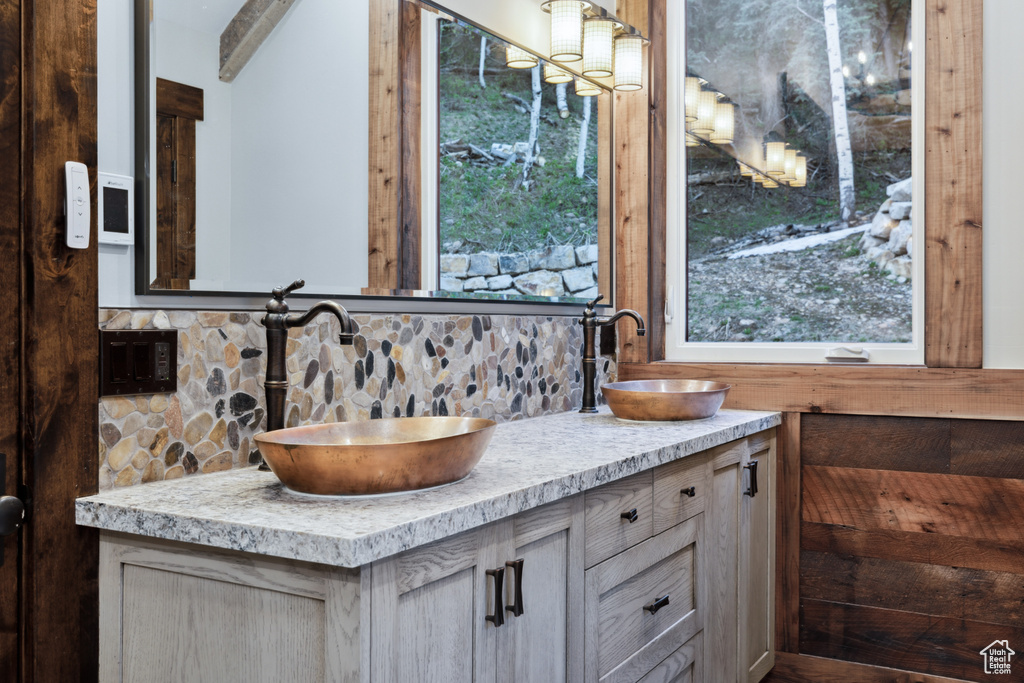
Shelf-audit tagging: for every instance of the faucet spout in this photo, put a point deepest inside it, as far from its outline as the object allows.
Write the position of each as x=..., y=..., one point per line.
x=278, y=321
x=338, y=311
x=625, y=312
x=591, y=321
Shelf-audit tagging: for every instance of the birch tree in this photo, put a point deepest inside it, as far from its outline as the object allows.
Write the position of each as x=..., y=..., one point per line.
x=531, y=145
x=581, y=147
x=563, y=107
x=840, y=124
x=483, y=55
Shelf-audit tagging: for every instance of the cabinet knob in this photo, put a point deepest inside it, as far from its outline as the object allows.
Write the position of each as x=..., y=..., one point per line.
x=516, y=608
x=657, y=604
x=630, y=515
x=498, y=618
x=691, y=491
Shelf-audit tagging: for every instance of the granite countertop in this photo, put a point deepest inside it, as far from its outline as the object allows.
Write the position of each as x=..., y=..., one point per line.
x=528, y=463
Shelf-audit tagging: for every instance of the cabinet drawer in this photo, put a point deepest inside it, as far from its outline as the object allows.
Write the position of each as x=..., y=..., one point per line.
x=685, y=665
x=680, y=489
x=627, y=635
x=608, y=532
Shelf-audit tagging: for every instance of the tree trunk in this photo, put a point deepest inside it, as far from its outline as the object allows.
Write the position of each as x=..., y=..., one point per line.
x=840, y=125
x=483, y=54
x=531, y=146
x=563, y=108
x=581, y=147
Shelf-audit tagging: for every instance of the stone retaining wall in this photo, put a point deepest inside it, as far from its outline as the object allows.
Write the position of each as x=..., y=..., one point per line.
x=554, y=271
x=888, y=241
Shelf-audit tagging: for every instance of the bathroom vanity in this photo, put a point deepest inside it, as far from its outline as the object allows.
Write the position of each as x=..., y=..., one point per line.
x=581, y=548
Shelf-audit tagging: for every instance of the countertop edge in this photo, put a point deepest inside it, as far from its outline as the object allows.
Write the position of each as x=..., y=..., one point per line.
x=359, y=549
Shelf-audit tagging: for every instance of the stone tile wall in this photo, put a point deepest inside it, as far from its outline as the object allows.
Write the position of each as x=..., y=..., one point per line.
x=495, y=366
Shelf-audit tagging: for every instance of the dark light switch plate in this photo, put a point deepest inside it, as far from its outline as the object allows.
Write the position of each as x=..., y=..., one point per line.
x=138, y=362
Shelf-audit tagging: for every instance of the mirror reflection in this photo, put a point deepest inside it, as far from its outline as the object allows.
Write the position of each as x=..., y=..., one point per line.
x=259, y=170
x=254, y=131
x=519, y=171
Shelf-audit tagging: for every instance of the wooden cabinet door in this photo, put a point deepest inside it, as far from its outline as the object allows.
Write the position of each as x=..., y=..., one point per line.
x=757, y=563
x=722, y=524
x=545, y=643
x=429, y=609
x=739, y=635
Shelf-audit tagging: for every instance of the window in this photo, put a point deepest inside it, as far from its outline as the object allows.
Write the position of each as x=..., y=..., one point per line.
x=795, y=181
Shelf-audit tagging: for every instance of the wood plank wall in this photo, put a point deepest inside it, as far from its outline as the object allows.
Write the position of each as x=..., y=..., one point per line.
x=905, y=550
x=59, y=359
x=10, y=325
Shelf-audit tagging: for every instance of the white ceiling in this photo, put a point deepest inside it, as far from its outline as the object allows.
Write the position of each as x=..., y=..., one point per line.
x=207, y=16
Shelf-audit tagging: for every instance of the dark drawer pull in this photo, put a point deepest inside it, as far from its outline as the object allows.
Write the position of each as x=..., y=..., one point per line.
x=752, y=491
x=631, y=515
x=657, y=604
x=691, y=492
x=498, y=618
x=516, y=608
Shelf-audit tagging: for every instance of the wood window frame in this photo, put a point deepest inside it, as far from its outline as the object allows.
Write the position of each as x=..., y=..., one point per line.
x=951, y=382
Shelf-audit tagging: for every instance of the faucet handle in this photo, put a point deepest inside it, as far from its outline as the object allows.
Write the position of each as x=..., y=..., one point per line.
x=591, y=304
x=277, y=304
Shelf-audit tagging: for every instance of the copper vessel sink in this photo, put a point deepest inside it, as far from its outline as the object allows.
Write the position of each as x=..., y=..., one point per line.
x=378, y=456
x=665, y=399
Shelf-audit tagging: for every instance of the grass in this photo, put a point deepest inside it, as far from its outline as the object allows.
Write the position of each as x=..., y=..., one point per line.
x=485, y=206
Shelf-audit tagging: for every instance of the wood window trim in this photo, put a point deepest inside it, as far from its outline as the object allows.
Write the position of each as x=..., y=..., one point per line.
x=953, y=177
x=394, y=159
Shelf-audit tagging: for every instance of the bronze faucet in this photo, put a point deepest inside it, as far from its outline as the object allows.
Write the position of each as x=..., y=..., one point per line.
x=277, y=321
x=591, y=321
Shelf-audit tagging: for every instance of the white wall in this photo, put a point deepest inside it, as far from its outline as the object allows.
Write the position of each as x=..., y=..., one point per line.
x=1003, y=147
x=191, y=57
x=115, y=134
x=334, y=173
x=304, y=91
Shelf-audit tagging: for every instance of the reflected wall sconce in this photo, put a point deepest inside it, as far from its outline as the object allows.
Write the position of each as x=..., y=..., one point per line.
x=585, y=88
x=555, y=74
x=725, y=123
x=800, y=173
x=789, y=166
x=707, y=104
x=516, y=58
x=691, y=92
x=775, y=159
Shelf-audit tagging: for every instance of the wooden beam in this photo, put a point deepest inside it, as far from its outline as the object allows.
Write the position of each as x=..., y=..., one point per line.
x=787, y=520
x=865, y=390
x=246, y=32
x=59, y=360
x=632, y=156
x=953, y=184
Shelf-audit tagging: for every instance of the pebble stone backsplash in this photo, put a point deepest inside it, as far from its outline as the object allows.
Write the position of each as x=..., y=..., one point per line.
x=502, y=367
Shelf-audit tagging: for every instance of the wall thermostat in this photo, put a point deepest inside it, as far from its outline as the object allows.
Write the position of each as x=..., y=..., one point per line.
x=116, y=215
